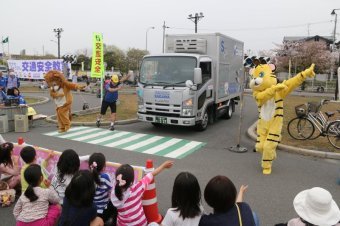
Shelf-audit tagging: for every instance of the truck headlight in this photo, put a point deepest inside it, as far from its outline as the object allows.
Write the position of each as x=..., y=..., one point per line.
x=187, y=112
x=140, y=100
x=188, y=103
x=141, y=108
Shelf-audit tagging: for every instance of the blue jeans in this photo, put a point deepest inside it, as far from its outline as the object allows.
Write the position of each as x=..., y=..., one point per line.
x=256, y=219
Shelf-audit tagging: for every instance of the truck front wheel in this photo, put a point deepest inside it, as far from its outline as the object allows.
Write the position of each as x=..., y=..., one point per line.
x=202, y=125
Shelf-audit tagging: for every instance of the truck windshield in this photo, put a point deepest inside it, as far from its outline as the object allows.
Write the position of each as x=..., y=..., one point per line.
x=167, y=70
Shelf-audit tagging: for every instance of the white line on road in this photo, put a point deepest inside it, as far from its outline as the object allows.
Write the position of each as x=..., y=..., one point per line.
x=116, y=135
x=78, y=133
x=126, y=140
x=93, y=135
x=71, y=130
x=162, y=146
x=143, y=143
x=183, y=150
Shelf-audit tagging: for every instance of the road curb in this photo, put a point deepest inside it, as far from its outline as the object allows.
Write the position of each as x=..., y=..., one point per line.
x=52, y=119
x=321, y=154
x=44, y=101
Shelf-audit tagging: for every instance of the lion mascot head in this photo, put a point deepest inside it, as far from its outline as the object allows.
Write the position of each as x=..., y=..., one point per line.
x=54, y=77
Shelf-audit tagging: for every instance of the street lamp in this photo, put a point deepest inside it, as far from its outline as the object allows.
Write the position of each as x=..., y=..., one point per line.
x=336, y=18
x=333, y=48
x=58, y=32
x=164, y=27
x=146, y=37
x=195, y=19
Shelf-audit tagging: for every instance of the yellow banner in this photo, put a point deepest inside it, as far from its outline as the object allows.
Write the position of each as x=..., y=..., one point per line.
x=97, y=66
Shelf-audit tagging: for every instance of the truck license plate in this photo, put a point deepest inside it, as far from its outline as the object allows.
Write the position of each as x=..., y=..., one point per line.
x=161, y=120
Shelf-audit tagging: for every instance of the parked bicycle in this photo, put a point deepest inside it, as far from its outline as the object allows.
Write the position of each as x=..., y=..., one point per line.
x=311, y=123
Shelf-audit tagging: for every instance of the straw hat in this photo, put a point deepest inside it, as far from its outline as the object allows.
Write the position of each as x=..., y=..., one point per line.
x=317, y=206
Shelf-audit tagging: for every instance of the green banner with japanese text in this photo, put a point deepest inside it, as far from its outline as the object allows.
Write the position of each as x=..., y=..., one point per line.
x=97, y=66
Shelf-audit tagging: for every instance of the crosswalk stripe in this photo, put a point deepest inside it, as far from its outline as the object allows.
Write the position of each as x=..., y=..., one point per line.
x=96, y=134
x=143, y=143
x=123, y=141
x=71, y=130
x=183, y=150
x=162, y=146
x=78, y=133
x=147, y=147
x=116, y=135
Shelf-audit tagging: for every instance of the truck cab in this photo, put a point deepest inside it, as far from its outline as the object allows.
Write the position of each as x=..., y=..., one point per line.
x=182, y=87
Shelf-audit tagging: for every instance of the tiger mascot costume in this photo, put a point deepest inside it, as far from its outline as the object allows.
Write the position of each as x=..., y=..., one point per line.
x=269, y=95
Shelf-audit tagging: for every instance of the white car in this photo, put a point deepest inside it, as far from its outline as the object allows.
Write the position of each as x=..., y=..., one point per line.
x=3, y=69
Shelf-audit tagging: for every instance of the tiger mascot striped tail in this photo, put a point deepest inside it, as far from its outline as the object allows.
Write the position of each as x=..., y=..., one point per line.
x=269, y=95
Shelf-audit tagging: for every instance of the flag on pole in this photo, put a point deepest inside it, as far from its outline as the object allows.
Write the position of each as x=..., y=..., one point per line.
x=97, y=66
x=5, y=40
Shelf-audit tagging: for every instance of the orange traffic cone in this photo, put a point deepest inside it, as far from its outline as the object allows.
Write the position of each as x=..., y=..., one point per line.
x=149, y=199
x=21, y=140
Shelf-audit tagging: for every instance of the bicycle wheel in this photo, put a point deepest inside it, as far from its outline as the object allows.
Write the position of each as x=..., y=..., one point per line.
x=333, y=134
x=300, y=128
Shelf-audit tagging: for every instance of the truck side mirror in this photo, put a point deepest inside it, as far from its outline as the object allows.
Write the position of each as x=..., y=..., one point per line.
x=198, y=76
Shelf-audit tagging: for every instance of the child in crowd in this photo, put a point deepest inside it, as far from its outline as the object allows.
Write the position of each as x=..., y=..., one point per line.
x=68, y=164
x=186, y=202
x=127, y=195
x=3, y=97
x=16, y=94
x=28, y=155
x=315, y=206
x=220, y=193
x=33, y=207
x=79, y=208
x=105, y=209
x=9, y=169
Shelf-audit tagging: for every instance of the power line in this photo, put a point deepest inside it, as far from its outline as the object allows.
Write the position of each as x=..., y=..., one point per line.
x=259, y=28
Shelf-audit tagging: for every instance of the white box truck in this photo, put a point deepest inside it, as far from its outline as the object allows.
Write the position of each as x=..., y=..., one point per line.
x=196, y=81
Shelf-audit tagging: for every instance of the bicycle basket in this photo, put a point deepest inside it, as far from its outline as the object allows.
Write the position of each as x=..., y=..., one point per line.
x=313, y=107
x=301, y=110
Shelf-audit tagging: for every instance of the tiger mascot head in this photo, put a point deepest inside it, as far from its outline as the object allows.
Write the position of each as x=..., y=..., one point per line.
x=262, y=76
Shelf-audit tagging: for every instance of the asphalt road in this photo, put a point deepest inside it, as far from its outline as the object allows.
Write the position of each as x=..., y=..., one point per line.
x=270, y=196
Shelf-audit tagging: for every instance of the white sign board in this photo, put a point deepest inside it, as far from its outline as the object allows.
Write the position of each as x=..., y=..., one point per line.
x=34, y=69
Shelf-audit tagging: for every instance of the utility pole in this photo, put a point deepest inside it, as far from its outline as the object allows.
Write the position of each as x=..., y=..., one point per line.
x=58, y=32
x=195, y=19
x=308, y=25
x=164, y=27
x=333, y=49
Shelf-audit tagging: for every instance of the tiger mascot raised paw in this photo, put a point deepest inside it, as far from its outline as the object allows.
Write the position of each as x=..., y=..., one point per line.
x=269, y=95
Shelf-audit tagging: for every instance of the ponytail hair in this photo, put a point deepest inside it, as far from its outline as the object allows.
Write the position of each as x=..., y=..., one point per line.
x=124, y=179
x=33, y=177
x=97, y=163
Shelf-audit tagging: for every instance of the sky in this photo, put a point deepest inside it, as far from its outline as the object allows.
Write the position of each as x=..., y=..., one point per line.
x=259, y=24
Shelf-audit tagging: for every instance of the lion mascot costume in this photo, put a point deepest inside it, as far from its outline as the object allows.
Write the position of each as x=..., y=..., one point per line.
x=60, y=91
x=269, y=95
